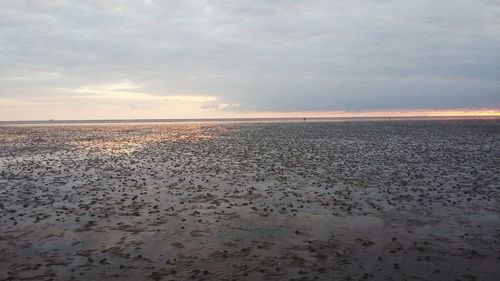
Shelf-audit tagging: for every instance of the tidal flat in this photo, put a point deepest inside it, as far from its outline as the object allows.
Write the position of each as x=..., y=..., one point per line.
x=354, y=200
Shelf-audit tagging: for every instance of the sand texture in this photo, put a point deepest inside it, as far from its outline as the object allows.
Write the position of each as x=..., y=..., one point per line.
x=380, y=200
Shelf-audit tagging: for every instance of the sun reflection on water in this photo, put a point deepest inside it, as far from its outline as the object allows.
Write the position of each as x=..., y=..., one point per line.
x=129, y=139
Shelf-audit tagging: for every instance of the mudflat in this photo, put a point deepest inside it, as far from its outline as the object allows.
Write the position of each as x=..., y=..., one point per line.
x=363, y=200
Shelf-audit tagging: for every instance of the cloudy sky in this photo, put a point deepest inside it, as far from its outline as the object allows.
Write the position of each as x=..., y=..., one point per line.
x=185, y=59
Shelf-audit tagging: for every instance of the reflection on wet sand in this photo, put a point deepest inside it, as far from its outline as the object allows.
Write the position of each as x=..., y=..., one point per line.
x=401, y=200
x=127, y=139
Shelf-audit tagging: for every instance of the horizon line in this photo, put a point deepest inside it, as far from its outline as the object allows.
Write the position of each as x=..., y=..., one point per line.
x=229, y=119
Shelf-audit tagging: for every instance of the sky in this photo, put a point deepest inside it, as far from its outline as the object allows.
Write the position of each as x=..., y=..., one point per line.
x=247, y=58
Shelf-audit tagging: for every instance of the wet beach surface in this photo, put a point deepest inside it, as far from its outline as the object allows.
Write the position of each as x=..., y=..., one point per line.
x=380, y=200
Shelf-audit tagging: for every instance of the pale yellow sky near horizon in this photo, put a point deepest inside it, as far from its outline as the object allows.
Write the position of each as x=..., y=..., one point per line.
x=125, y=100
x=178, y=108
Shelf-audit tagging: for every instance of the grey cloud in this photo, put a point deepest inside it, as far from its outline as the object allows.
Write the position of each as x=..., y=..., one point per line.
x=262, y=55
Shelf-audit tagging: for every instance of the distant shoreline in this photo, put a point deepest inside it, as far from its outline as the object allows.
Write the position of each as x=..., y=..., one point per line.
x=240, y=120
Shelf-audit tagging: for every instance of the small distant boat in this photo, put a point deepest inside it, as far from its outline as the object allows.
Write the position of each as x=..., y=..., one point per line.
x=51, y=120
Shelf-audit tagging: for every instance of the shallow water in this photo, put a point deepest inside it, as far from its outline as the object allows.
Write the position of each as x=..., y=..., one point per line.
x=374, y=200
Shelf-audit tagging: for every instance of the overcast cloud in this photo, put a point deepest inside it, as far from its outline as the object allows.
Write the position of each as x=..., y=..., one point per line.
x=239, y=56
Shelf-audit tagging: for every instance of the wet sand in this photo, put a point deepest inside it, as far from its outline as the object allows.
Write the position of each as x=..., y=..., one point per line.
x=380, y=200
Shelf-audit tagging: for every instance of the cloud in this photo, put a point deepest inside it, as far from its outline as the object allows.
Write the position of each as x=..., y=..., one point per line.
x=277, y=56
x=128, y=91
x=221, y=106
